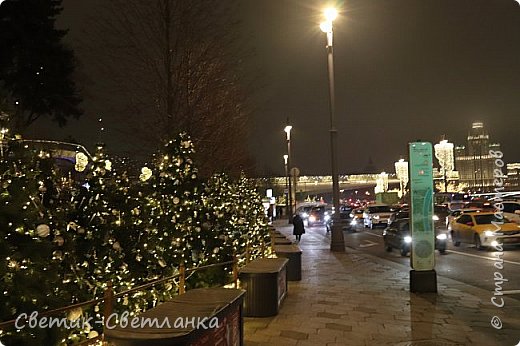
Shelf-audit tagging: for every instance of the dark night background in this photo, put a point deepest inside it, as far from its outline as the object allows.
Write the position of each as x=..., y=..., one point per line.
x=405, y=70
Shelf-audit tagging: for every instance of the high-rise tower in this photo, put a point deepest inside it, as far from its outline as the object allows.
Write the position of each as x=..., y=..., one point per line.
x=473, y=161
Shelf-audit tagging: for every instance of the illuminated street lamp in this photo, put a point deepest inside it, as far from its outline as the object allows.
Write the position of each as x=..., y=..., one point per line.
x=337, y=241
x=444, y=153
x=287, y=130
x=401, y=171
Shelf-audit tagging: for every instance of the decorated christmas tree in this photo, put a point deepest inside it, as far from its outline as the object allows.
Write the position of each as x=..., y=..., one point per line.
x=170, y=214
x=249, y=220
x=64, y=240
x=31, y=215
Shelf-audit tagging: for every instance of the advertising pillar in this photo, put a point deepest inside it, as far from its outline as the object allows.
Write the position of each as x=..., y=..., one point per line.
x=423, y=277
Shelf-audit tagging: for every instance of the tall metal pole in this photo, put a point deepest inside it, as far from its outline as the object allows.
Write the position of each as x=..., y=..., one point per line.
x=286, y=157
x=337, y=241
x=288, y=132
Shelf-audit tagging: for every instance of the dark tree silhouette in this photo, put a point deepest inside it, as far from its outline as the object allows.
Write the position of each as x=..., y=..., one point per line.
x=173, y=66
x=35, y=67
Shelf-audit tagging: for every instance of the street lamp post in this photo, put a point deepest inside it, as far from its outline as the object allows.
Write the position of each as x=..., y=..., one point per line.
x=287, y=130
x=337, y=242
x=285, y=158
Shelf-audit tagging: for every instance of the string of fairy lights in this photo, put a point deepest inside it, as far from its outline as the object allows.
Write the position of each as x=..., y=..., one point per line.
x=66, y=236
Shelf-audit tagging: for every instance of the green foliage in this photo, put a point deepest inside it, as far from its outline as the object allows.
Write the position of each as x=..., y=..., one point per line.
x=31, y=273
x=64, y=241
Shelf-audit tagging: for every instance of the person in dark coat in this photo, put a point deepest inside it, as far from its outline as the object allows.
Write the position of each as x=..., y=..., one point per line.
x=299, y=229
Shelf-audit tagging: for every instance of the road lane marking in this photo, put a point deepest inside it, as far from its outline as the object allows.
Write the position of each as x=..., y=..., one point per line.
x=377, y=235
x=368, y=243
x=484, y=257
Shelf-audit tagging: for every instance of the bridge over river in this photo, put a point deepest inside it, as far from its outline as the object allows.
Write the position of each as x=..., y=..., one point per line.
x=351, y=186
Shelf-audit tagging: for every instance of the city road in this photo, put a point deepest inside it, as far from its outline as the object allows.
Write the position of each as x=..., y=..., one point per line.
x=465, y=263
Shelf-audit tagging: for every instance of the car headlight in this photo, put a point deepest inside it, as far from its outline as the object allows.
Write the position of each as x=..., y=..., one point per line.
x=442, y=236
x=351, y=215
x=407, y=239
x=435, y=218
x=305, y=215
x=312, y=218
x=376, y=217
x=489, y=233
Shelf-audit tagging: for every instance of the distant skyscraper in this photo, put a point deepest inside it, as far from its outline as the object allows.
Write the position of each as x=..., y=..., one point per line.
x=473, y=161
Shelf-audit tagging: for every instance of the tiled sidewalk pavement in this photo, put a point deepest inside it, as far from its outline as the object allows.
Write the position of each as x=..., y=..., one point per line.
x=357, y=299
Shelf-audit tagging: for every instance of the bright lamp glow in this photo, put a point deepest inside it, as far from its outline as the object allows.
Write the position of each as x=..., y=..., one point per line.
x=287, y=130
x=442, y=236
x=330, y=14
x=407, y=239
x=326, y=27
x=285, y=158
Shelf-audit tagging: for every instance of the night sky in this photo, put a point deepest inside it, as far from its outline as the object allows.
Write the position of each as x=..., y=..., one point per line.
x=405, y=70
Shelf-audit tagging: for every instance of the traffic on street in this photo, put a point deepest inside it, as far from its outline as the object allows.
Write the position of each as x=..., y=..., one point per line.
x=467, y=249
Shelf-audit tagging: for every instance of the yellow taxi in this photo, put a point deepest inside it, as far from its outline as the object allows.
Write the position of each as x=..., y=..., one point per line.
x=356, y=216
x=484, y=229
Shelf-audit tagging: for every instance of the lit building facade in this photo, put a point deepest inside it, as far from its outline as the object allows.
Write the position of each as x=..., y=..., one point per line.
x=473, y=162
x=513, y=176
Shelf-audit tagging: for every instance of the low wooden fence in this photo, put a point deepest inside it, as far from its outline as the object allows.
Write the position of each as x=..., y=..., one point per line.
x=109, y=297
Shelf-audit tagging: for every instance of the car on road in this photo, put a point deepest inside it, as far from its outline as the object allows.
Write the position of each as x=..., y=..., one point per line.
x=484, y=229
x=452, y=215
x=398, y=236
x=440, y=212
x=356, y=216
x=376, y=215
x=512, y=210
x=319, y=215
x=344, y=218
x=304, y=211
x=401, y=214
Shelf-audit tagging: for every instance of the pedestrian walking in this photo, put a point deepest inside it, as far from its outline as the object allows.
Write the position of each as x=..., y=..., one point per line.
x=299, y=229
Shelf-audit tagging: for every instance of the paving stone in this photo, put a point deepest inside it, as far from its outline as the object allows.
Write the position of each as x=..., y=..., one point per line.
x=329, y=315
x=338, y=326
x=355, y=299
x=294, y=335
x=331, y=332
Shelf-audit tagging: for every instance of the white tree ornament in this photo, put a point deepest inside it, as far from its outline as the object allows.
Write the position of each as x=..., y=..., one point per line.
x=146, y=173
x=43, y=230
x=81, y=162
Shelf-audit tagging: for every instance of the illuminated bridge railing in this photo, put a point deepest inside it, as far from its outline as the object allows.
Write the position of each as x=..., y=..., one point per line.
x=327, y=179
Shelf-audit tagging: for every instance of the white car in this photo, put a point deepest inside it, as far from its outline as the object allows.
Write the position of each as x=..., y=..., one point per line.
x=376, y=214
x=512, y=211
